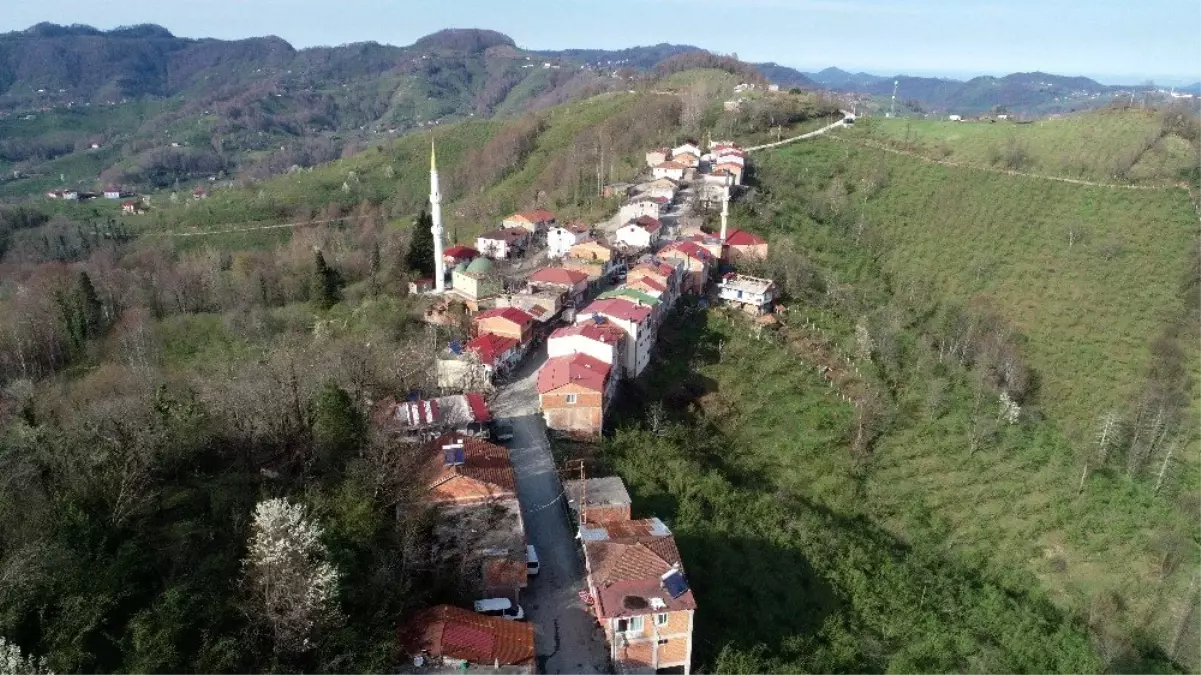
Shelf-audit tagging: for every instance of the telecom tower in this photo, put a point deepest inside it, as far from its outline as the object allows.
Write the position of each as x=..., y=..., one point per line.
x=436, y=230
x=892, y=108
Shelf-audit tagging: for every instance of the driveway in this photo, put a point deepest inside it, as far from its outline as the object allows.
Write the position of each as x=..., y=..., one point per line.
x=567, y=638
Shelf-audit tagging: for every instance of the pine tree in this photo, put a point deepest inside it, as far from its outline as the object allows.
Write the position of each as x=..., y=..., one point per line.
x=327, y=284
x=80, y=312
x=420, y=258
x=338, y=428
x=376, y=262
x=91, y=313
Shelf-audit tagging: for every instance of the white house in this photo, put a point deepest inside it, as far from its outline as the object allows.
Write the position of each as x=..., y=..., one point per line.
x=686, y=148
x=635, y=320
x=657, y=156
x=112, y=192
x=595, y=336
x=671, y=169
x=660, y=187
x=643, y=206
x=954, y=118
x=642, y=232
x=503, y=243
x=751, y=292
x=559, y=240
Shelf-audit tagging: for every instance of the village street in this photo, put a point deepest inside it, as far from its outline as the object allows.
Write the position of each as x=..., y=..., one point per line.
x=567, y=638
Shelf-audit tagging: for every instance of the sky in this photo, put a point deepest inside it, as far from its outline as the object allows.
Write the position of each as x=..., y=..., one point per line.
x=1114, y=41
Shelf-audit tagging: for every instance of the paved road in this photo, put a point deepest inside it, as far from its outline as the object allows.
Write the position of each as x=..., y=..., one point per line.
x=840, y=123
x=567, y=638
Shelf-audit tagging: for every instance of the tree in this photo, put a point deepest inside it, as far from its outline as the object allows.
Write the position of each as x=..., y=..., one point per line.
x=13, y=662
x=81, y=312
x=291, y=584
x=327, y=284
x=420, y=257
x=338, y=428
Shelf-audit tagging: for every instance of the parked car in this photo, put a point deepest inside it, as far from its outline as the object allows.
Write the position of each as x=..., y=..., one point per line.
x=531, y=561
x=502, y=607
x=502, y=431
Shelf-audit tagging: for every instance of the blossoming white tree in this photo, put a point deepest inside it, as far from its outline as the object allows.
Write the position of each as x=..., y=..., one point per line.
x=291, y=584
x=13, y=662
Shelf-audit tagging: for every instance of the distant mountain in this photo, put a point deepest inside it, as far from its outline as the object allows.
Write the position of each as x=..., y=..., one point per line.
x=837, y=78
x=785, y=76
x=1017, y=91
x=163, y=109
x=639, y=58
x=647, y=58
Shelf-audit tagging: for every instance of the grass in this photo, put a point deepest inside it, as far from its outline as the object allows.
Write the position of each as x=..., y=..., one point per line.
x=774, y=519
x=1087, y=313
x=1084, y=146
x=1088, y=308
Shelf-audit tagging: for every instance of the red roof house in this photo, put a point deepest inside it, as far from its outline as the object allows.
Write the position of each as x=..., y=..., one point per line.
x=461, y=469
x=574, y=391
x=505, y=321
x=559, y=276
x=743, y=244
x=458, y=253
x=575, y=369
x=641, y=595
x=492, y=349
x=618, y=308
x=460, y=635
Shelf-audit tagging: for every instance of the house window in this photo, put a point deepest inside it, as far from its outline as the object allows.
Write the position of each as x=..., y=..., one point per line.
x=661, y=619
x=634, y=625
x=571, y=399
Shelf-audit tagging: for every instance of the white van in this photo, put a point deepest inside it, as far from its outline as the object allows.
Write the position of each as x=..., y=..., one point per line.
x=531, y=561
x=502, y=607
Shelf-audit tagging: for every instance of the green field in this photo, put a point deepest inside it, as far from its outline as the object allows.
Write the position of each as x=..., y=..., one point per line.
x=1089, y=302
x=1092, y=146
x=1086, y=314
x=773, y=518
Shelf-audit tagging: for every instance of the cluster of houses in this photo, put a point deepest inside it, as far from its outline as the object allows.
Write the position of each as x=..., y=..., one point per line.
x=596, y=333
x=132, y=204
x=598, y=306
x=637, y=589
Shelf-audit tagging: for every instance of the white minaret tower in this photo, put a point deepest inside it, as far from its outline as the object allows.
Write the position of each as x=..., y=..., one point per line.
x=725, y=211
x=436, y=216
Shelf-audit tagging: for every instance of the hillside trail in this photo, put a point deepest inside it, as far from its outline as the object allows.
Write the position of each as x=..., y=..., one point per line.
x=1008, y=172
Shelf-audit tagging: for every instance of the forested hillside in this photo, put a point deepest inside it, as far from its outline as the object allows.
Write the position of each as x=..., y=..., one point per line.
x=164, y=373
x=163, y=110
x=156, y=387
x=973, y=446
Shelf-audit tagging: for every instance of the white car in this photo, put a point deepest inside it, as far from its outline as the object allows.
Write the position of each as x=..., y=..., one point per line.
x=531, y=561
x=502, y=607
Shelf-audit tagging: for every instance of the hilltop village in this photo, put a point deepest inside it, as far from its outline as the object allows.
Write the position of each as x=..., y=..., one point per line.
x=559, y=313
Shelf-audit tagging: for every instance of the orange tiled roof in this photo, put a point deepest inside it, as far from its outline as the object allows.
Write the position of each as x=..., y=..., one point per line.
x=453, y=632
x=486, y=472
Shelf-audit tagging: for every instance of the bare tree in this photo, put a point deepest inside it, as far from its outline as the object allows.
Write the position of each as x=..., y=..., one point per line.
x=1107, y=437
